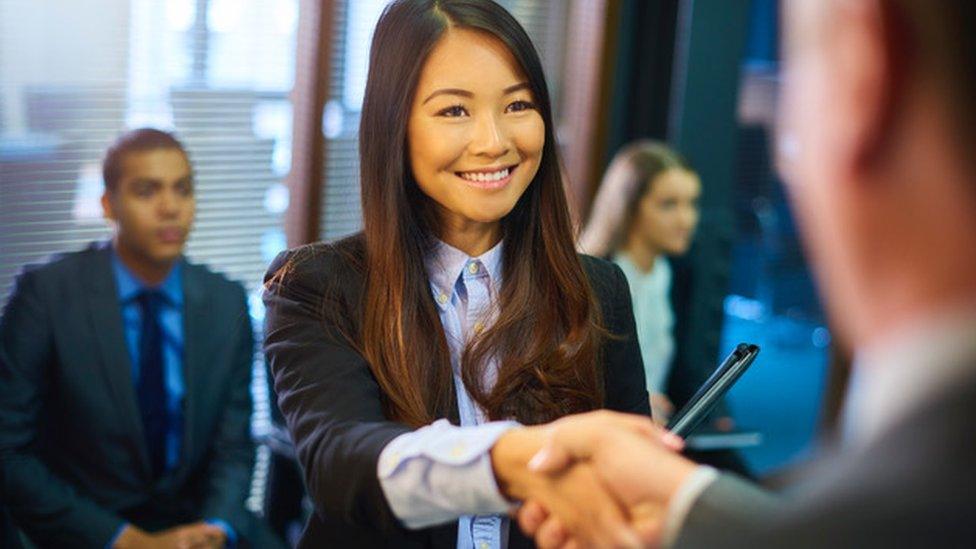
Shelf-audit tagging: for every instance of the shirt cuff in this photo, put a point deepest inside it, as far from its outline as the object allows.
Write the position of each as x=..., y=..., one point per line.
x=441, y=472
x=682, y=502
x=228, y=531
x=115, y=538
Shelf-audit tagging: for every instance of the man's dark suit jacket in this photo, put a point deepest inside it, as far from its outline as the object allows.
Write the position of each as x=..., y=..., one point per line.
x=73, y=462
x=332, y=404
x=913, y=486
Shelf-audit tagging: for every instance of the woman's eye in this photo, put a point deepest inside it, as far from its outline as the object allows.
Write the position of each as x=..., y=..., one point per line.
x=519, y=106
x=454, y=111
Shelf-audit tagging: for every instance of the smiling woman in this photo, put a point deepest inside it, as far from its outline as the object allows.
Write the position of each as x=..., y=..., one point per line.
x=475, y=136
x=402, y=354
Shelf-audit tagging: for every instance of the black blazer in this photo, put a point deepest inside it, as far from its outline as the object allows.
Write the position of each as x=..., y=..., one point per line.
x=331, y=400
x=73, y=461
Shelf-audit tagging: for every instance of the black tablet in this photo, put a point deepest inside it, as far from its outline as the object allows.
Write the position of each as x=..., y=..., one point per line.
x=705, y=399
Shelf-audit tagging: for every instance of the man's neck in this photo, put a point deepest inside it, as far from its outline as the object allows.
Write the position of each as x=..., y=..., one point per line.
x=148, y=272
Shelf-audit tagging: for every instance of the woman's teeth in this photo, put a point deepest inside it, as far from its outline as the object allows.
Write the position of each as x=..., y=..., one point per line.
x=486, y=177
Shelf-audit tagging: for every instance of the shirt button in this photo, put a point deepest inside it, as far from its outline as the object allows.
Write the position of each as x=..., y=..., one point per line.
x=473, y=268
x=484, y=545
x=478, y=327
x=442, y=299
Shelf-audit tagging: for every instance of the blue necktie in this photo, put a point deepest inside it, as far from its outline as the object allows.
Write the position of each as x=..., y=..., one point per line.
x=151, y=387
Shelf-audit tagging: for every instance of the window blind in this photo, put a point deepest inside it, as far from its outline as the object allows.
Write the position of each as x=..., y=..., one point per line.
x=73, y=75
x=76, y=74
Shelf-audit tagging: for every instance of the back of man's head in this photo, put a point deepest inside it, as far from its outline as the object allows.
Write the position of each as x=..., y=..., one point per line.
x=138, y=140
x=944, y=35
x=877, y=129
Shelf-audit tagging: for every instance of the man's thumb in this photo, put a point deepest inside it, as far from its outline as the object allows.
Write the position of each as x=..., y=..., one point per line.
x=550, y=459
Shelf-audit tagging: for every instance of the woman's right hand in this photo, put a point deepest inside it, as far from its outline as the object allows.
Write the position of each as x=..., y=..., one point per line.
x=589, y=509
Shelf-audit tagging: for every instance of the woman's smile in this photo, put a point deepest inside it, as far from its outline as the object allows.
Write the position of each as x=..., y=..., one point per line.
x=488, y=178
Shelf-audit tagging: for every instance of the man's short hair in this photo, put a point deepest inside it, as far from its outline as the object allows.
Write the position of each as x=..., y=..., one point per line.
x=946, y=34
x=138, y=140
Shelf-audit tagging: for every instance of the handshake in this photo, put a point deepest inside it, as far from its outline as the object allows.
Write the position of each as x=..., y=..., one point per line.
x=601, y=479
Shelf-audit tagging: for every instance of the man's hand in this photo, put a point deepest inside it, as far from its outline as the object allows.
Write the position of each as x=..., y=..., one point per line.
x=198, y=535
x=639, y=467
x=571, y=489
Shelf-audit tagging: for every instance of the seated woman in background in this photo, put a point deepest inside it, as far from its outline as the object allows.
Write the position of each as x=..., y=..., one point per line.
x=402, y=354
x=645, y=210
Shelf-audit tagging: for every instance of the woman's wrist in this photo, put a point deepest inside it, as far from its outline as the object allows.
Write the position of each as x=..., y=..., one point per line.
x=510, y=457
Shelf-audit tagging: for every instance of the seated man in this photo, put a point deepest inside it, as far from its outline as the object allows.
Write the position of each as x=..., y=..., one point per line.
x=124, y=377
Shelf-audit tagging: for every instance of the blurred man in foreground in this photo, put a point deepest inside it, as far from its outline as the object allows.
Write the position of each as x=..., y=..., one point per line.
x=878, y=129
x=124, y=377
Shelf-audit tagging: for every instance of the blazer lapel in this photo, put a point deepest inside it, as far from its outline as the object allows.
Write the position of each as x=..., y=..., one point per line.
x=194, y=355
x=105, y=314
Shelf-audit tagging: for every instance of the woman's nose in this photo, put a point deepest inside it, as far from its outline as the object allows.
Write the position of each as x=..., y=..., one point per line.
x=489, y=138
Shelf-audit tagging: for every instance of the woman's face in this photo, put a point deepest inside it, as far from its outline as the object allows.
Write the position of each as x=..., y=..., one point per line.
x=667, y=214
x=474, y=136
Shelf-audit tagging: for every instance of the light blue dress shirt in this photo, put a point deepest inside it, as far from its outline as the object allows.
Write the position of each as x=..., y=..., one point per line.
x=171, y=323
x=435, y=473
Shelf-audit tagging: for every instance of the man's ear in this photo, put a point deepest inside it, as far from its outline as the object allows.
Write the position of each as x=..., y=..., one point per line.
x=108, y=211
x=870, y=58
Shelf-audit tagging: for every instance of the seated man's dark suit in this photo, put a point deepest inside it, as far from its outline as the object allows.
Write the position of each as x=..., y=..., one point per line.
x=74, y=465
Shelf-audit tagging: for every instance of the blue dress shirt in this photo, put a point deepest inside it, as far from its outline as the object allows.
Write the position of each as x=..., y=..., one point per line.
x=435, y=473
x=171, y=323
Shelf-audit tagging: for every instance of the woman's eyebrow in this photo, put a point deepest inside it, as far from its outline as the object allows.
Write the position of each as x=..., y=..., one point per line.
x=465, y=93
x=448, y=91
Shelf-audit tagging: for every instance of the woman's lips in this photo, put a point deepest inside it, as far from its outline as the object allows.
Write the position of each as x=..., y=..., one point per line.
x=487, y=180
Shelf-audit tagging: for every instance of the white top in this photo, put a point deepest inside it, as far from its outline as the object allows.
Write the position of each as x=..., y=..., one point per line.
x=650, y=294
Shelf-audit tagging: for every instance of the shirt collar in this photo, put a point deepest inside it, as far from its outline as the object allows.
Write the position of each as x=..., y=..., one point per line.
x=445, y=264
x=129, y=285
x=895, y=376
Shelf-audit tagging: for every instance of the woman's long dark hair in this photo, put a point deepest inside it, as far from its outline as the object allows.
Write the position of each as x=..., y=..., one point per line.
x=547, y=333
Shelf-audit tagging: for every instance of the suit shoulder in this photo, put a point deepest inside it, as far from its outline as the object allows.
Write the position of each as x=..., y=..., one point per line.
x=63, y=262
x=598, y=267
x=602, y=274
x=214, y=281
x=313, y=264
x=61, y=265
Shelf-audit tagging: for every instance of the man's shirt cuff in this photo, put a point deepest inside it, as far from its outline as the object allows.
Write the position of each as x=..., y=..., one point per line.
x=682, y=502
x=228, y=531
x=115, y=538
x=441, y=472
